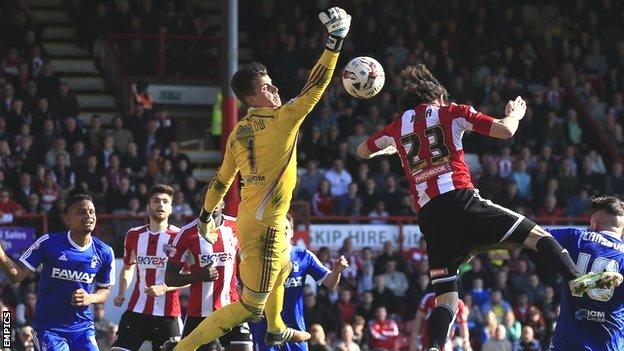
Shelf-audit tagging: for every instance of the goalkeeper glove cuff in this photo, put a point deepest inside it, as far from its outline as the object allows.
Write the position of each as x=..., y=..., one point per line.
x=334, y=43
x=205, y=216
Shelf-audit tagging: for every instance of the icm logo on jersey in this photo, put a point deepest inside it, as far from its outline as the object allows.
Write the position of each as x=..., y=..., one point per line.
x=292, y=282
x=216, y=257
x=74, y=276
x=594, y=316
x=152, y=261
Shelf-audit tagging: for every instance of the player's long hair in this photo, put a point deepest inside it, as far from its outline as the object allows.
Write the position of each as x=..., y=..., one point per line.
x=420, y=87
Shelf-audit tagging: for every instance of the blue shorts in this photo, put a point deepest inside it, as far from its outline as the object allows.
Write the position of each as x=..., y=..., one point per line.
x=48, y=340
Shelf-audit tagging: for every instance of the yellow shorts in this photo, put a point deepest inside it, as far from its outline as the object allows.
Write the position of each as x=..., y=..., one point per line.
x=265, y=252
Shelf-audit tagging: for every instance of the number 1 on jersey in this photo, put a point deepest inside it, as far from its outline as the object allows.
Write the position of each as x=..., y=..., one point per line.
x=251, y=155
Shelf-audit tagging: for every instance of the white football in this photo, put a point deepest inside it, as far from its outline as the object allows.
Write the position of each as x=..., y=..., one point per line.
x=363, y=77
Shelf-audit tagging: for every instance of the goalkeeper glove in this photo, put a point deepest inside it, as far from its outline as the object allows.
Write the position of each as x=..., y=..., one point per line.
x=206, y=227
x=337, y=21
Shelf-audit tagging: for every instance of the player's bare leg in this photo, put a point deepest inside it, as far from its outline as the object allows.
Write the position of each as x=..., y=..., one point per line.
x=559, y=258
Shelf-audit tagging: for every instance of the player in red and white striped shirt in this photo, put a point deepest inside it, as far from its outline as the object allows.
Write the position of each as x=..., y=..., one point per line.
x=154, y=308
x=454, y=219
x=211, y=270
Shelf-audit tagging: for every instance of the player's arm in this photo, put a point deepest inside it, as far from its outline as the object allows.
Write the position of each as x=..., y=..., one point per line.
x=217, y=189
x=175, y=278
x=380, y=143
x=15, y=271
x=337, y=22
x=125, y=277
x=333, y=278
x=28, y=262
x=507, y=126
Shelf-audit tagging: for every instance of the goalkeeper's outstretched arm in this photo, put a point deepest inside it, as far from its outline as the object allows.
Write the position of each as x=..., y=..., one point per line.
x=221, y=181
x=337, y=22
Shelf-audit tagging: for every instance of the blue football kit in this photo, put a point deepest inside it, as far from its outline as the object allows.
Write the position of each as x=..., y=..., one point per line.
x=304, y=263
x=67, y=267
x=593, y=321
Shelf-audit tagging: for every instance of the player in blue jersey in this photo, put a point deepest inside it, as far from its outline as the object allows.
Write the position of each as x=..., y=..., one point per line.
x=304, y=263
x=72, y=264
x=595, y=320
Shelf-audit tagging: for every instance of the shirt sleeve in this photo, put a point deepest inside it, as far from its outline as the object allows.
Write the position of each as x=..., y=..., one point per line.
x=36, y=253
x=381, y=139
x=293, y=113
x=222, y=180
x=129, y=249
x=180, y=247
x=474, y=120
x=565, y=236
x=105, y=277
x=316, y=269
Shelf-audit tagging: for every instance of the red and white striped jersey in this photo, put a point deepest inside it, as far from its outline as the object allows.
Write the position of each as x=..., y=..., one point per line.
x=429, y=142
x=195, y=252
x=148, y=251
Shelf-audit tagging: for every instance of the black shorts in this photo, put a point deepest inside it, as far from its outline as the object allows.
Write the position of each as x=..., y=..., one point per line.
x=135, y=328
x=239, y=335
x=460, y=223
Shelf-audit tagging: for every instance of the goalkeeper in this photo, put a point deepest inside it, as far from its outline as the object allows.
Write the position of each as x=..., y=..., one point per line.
x=262, y=147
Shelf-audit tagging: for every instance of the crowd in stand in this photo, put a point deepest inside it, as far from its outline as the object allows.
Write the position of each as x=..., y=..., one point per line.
x=485, y=54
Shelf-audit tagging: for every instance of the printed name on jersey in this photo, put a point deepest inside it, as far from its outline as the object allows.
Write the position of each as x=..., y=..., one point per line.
x=215, y=258
x=598, y=238
x=594, y=316
x=152, y=261
x=292, y=282
x=431, y=172
x=74, y=276
x=248, y=128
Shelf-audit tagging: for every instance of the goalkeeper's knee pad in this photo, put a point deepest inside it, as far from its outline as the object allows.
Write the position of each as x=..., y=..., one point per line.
x=254, y=302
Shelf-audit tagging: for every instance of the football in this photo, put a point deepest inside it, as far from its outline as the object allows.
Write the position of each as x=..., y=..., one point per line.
x=363, y=77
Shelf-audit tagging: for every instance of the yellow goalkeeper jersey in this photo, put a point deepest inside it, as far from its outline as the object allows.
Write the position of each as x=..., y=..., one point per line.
x=263, y=146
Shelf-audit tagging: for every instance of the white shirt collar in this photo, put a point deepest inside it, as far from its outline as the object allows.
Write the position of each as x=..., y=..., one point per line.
x=78, y=247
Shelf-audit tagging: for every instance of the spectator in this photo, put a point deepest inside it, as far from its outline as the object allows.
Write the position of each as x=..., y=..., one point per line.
x=536, y=288
x=345, y=306
x=522, y=306
x=522, y=178
x=25, y=312
x=102, y=326
x=96, y=133
x=310, y=180
x=25, y=339
x=512, y=325
x=536, y=322
x=121, y=136
x=9, y=209
x=382, y=295
x=550, y=210
x=358, y=136
x=316, y=313
x=65, y=104
x=142, y=97
x=317, y=341
x=24, y=190
x=499, y=342
x=181, y=209
x=496, y=305
x=58, y=148
x=527, y=342
x=346, y=343
x=479, y=295
x=323, y=203
x=338, y=178
x=366, y=307
x=345, y=203
x=383, y=332
x=380, y=177
x=379, y=213
x=395, y=280
x=614, y=183
x=166, y=174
